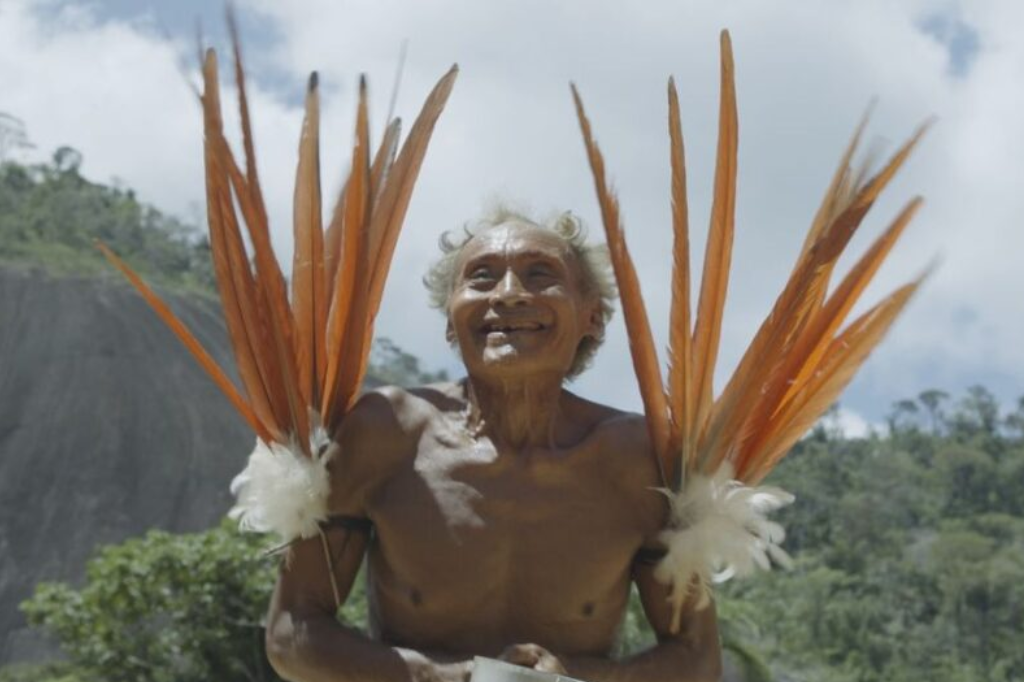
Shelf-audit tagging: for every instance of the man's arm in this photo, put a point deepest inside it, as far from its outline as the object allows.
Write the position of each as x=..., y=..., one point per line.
x=305, y=642
x=691, y=655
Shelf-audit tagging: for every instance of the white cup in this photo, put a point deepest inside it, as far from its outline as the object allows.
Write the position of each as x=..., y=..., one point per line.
x=492, y=670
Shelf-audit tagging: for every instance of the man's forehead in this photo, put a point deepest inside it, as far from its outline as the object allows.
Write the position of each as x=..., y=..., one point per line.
x=516, y=238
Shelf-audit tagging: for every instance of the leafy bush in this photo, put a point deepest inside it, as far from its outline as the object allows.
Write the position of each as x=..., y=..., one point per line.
x=165, y=608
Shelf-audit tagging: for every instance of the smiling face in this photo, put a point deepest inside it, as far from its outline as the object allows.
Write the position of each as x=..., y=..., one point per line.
x=518, y=306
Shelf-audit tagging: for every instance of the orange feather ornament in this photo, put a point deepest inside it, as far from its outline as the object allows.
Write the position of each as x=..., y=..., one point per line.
x=301, y=360
x=715, y=452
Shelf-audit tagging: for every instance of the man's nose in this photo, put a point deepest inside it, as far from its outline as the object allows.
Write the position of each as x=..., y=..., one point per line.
x=509, y=291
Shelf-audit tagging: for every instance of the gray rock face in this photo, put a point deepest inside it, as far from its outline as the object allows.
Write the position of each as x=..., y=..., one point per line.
x=108, y=427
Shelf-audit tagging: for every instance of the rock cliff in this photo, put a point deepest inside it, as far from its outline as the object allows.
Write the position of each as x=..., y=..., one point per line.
x=107, y=428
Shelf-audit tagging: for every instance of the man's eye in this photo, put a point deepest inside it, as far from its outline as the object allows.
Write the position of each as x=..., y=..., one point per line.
x=541, y=272
x=480, y=274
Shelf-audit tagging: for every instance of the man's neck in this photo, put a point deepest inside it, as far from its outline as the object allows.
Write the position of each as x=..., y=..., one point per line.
x=515, y=413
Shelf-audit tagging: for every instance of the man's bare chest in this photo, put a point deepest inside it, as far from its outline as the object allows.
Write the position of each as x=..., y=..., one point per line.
x=468, y=540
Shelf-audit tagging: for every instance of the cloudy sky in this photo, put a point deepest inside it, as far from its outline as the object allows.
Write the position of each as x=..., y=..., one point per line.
x=110, y=79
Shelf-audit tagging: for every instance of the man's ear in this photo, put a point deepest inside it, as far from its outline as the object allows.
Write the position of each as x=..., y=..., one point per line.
x=449, y=333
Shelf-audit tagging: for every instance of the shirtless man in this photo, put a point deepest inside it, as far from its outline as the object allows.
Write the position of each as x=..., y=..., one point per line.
x=507, y=513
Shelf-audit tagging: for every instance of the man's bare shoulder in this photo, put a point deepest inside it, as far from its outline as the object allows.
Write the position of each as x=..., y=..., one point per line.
x=622, y=439
x=397, y=412
x=377, y=437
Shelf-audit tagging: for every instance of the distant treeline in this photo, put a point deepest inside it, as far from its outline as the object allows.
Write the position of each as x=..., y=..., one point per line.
x=909, y=551
x=50, y=217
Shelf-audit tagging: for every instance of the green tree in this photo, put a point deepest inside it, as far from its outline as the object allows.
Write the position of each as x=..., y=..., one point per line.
x=932, y=400
x=165, y=608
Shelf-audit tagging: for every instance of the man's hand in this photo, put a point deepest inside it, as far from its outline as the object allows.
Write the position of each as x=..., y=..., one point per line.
x=533, y=656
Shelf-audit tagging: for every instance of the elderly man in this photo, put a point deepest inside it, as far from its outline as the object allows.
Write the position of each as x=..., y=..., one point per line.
x=501, y=515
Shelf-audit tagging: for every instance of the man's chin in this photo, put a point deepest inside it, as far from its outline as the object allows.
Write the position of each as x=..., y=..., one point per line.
x=508, y=360
x=503, y=355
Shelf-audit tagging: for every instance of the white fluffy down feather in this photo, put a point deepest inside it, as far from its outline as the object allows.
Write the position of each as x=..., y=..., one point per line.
x=283, y=491
x=719, y=529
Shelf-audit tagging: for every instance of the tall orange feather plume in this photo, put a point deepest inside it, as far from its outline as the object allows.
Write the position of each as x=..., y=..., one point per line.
x=797, y=364
x=301, y=362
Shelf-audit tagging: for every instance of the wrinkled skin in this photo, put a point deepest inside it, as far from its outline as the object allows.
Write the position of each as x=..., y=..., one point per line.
x=507, y=511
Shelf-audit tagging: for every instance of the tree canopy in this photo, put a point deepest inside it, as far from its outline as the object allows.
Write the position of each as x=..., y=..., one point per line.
x=50, y=216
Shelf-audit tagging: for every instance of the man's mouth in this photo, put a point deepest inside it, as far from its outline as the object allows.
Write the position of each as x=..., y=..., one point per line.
x=512, y=327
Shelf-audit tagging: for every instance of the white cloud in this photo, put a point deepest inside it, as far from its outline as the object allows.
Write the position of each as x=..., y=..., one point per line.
x=805, y=72
x=854, y=425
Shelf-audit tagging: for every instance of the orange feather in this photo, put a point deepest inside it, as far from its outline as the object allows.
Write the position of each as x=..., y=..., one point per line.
x=192, y=344
x=755, y=388
x=838, y=366
x=396, y=193
x=718, y=253
x=384, y=159
x=216, y=188
x=804, y=357
x=268, y=272
x=254, y=334
x=351, y=282
x=840, y=190
x=264, y=350
x=641, y=343
x=307, y=262
x=249, y=145
x=680, y=371
x=390, y=209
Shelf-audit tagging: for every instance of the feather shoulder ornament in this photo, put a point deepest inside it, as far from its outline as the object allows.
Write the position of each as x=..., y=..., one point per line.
x=718, y=529
x=301, y=357
x=280, y=493
x=713, y=452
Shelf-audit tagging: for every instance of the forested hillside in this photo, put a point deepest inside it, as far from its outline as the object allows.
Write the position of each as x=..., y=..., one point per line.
x=909, y=551
x=50, y=216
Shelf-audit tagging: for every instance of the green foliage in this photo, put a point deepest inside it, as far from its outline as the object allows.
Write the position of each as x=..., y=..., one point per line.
x=910, y=552
x=635, y=633
x=46, y=672
x=165, y=608
x=50, y=216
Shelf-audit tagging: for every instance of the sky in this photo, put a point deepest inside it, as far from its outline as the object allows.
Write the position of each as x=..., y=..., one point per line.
x=110, y=78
